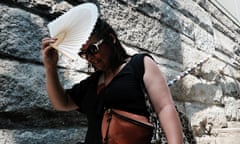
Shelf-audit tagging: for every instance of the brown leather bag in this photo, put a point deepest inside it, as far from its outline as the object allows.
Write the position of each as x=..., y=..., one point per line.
x=121, y=127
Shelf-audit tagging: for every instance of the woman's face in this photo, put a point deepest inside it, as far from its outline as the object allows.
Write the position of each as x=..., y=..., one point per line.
x=99, y=59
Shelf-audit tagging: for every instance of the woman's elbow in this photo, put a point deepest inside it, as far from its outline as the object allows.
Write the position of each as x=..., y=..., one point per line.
x=64, y=108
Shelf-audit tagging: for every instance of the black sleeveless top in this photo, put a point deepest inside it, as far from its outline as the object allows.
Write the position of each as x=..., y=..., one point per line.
x=123, y=92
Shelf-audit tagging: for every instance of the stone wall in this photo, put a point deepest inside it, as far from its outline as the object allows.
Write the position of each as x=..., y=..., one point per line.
x=178, y=33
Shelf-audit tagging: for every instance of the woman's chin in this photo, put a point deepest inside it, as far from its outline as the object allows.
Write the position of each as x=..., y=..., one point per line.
x=98, y=68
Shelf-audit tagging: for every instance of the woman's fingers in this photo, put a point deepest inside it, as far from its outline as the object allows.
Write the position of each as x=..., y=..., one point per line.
x=49, y=54
x=47, y=41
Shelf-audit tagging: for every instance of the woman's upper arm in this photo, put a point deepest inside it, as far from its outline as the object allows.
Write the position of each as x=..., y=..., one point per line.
x=156, y=85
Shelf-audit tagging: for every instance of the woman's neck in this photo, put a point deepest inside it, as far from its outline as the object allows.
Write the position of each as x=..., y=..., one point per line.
x=109, y=74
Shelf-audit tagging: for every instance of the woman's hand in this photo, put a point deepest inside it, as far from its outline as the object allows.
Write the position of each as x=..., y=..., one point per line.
x=49, y=54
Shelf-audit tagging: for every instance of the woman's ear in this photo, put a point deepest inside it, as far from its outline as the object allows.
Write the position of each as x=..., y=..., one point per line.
x=113, y=38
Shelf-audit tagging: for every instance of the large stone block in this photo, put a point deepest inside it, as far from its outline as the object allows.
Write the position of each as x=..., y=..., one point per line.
x=194, y=89
x=212, y=114
x=40, y=136
x=24, y=84
x=21, y=33
x=232, y=108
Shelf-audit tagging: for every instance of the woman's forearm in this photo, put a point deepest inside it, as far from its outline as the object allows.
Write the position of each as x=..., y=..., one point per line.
x=171, y=124
x=55, y=90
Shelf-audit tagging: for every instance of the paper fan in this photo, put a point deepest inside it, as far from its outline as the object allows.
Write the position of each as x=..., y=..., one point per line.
x=73, y=28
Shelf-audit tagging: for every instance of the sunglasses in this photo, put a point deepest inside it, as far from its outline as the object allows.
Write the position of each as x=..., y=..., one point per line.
x=91, y=50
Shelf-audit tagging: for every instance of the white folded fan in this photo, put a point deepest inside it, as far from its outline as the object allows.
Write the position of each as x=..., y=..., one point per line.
x=73, y=28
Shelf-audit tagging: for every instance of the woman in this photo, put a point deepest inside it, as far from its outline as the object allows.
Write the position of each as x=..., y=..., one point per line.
x=112, y=85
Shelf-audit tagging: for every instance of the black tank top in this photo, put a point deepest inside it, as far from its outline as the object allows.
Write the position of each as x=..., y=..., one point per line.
x=123, y=92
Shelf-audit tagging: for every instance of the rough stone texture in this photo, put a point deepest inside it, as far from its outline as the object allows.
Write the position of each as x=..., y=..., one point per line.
x=17, y=35
x=178, y=34
x=39, y=136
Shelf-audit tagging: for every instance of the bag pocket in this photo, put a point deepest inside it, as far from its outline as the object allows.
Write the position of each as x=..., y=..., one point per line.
x=121, y=127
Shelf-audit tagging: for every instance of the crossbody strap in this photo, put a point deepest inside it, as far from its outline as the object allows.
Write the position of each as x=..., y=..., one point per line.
x=109, y=118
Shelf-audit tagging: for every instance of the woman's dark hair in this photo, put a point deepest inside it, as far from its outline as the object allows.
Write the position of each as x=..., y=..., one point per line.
x=103, y=30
